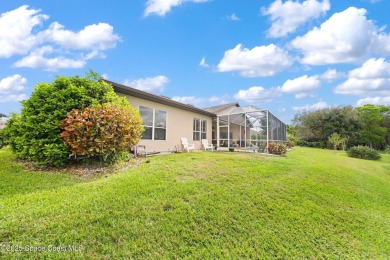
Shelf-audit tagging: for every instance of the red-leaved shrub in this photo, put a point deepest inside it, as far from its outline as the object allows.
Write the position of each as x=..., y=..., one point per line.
x=102, y=130
x=277, y=148
x=290, y=144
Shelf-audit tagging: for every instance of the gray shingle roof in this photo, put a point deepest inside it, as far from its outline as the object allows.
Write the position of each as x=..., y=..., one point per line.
x=217, y=109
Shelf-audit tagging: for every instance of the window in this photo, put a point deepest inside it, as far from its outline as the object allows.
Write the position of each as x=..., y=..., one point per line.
x=199, y=129
x=154, y=122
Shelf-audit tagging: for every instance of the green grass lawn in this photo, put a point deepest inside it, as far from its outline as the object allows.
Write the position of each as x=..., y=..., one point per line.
x=310, y=204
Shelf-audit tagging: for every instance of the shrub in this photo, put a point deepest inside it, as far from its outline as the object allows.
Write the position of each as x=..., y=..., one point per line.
x=363, y=152
x=311, y=144
x=387, y=149
x=2, y=139
x=277, y=148
x=35, y=133
x=290, y=144
x=102, y=131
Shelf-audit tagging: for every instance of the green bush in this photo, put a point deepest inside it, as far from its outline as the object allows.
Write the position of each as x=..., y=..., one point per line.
x=3, y=141
x=363, y=152
x=310, y=144
x=277, y=148
x=35, y=133
x=102, y=131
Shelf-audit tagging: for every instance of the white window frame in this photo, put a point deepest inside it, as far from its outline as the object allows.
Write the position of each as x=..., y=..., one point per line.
x=153, y=126
x=200, y=131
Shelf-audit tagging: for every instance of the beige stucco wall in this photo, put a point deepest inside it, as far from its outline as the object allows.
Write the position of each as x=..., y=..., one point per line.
x=179, y=124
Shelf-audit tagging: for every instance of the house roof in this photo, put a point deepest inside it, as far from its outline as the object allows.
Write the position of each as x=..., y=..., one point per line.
x=119, y=88
x=3, y=115
x=220, y=108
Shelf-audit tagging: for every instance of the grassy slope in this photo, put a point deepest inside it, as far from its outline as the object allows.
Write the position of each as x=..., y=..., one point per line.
x=311, y=204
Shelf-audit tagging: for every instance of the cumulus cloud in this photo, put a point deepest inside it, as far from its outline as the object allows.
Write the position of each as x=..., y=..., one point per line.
x=203, y=63
x=98, y=37
x=201, y=101
x=16, y=27
x=372, y=69
x=162, y=7
x=188, y=100
x=347, y=37
x=12, y=83
x=331, y=74
x=374, y=101
x=288, y=16
x=153, y=84
x=13, y=98
x=371, y=79
x=303, y=86
x=9, y=88
x=19, y=35
x=257, y=94
x=37, y=59
x=261, y=61
x=316, y=106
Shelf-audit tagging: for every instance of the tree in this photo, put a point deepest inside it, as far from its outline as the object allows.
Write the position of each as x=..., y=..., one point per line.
x=335, y=140
x=319, y=125
x=372, y=118
x=35, y=133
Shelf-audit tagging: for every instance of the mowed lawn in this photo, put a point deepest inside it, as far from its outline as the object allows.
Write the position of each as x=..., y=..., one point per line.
x=311, y=204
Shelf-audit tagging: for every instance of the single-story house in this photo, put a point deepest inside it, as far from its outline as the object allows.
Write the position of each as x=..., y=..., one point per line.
x=166, y=121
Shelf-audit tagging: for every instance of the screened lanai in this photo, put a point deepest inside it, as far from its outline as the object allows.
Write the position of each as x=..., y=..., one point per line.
x=247, y=128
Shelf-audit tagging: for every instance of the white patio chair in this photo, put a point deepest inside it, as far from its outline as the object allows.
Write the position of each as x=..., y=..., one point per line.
x=186, y=146
x=206, y=145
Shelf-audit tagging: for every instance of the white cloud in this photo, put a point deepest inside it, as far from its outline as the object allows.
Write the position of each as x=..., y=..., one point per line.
x=303, y=86
x=36, y=59
x=261, y=61
x=97, y=37
x=317, y=106
x=188, y=100
x=201, y=102
x=154, y=84
x=105, y=76
x=13, y=98
x=374, y=101
x=203, y=63
x=16, y=27
x=288, y=16
x=371, y=69
x=162, y=7
x=331, y=74
x=347, y=37
x=371, y=79
x=12, y=83
x=218, y=100
x=233, y=17
x=257, y=94
x=19, y=36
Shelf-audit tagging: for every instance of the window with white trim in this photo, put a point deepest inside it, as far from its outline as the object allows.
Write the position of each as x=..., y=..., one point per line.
x=199, y=129
x=154, y=122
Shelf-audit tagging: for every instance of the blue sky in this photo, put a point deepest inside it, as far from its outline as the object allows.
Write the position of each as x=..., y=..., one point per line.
x=286, y=56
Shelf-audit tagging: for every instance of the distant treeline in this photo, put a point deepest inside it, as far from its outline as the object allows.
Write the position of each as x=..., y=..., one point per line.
x=367, y=125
